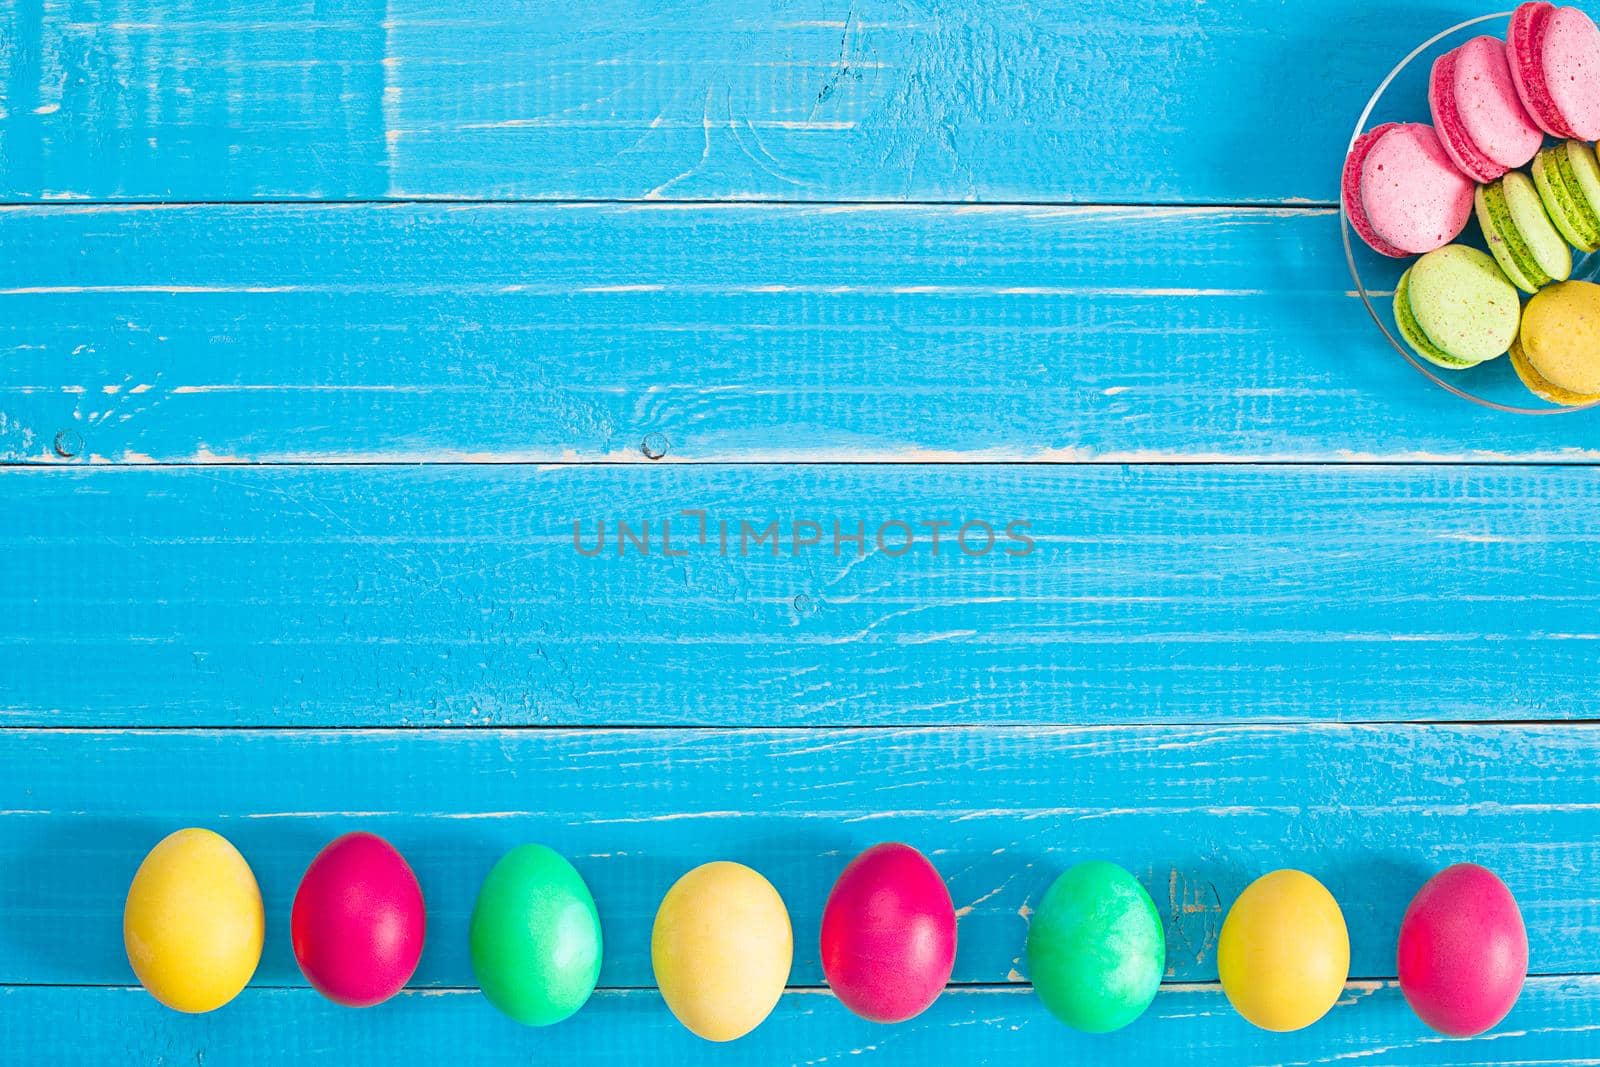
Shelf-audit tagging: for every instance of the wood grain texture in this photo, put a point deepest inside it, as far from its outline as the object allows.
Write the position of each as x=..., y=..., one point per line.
x=1097, y=101
x=426, y=333
x=442, y=594
x=1196, y=812
x=275, y=468
x=1554, y=1024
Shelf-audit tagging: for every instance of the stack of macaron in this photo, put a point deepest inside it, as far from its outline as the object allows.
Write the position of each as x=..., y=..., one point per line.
x=1410, y=189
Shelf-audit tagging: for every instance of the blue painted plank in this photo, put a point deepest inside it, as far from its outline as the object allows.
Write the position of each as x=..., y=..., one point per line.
x=1095, y=100
x=444, y=594
x=425, y=333
x=1196, y=812
x=1553, y=1024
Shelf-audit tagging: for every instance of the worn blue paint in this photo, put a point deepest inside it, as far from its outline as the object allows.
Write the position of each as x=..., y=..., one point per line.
x=550, y=333
x=1090, y=101
x=1552, y=1024
x=454, y=594
x=340, y=591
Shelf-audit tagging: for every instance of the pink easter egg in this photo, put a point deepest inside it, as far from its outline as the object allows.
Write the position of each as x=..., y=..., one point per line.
x=358, y=921
x=889, y=934
x=1463, y=951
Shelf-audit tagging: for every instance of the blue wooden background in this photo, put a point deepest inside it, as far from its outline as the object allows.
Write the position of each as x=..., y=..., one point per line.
x=322, y=322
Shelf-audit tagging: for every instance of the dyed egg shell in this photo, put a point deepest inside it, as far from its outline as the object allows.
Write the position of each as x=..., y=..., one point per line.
x=193, y=923
x=721, y=948
x=358, y=921
x=535, y=937
x=1284, y=952
x=889, y=934
x=1463, y=951
x=1096, y=950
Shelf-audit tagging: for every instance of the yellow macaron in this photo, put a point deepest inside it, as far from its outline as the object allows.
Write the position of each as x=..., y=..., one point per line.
x=1557, y=352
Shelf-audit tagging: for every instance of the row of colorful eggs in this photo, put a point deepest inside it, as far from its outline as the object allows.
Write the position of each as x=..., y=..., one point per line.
x=722, y=943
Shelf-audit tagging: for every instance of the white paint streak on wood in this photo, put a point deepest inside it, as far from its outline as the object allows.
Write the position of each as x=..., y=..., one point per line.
x=175, y=290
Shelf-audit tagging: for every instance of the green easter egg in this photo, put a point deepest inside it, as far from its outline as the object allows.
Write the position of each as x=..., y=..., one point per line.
x=535, y=937
x=1096, y=951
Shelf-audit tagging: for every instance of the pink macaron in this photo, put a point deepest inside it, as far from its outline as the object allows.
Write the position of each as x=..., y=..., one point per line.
x=1554, y=54
x=1477, y=113
x=1402, y=193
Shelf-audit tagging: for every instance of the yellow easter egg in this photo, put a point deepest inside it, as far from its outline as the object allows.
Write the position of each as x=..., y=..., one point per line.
x=721, y=948
x=193, y=923
x=1284, y=952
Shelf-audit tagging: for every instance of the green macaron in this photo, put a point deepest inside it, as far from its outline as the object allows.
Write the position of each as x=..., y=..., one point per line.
x=1520, y=234
x=1567, y=176
x=1456, y=308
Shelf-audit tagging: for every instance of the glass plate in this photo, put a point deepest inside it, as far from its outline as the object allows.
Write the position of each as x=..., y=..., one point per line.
x=1403, y=97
